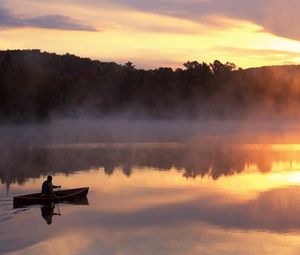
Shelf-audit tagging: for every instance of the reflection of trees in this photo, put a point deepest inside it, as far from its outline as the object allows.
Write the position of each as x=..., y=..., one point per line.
x=18, y=164
x=214, y=163
x=127, y=169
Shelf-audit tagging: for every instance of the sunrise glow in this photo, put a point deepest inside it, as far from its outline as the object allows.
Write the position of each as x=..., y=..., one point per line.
x=150, y=37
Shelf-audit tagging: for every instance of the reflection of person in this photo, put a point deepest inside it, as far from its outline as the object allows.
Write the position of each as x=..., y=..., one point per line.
x=47, y=212
x=47, y=187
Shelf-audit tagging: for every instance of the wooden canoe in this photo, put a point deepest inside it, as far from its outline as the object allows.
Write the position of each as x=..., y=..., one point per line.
x=61, y=195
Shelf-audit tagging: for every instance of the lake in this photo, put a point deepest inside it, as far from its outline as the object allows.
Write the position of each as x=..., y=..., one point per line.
x=173, y=196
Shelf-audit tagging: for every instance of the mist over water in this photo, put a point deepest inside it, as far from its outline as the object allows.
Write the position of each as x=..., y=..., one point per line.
x=198, y=147
x=84, y=130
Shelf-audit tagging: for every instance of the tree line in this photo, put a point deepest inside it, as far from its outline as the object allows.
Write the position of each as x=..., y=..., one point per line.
x=37, y=85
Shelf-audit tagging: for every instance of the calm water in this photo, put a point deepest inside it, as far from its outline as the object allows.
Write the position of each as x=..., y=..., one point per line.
x=155, y=198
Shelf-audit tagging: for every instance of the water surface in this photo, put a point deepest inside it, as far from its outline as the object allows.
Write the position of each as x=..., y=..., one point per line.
x=155, y=198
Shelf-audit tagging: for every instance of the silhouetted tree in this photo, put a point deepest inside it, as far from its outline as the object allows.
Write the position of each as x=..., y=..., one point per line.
x=35, y=85
x=129, y=66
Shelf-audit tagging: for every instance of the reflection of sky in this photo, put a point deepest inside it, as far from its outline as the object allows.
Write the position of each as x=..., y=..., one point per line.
x=160, y=212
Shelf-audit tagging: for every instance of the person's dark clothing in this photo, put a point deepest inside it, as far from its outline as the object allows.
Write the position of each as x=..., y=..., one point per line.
x=46, y=187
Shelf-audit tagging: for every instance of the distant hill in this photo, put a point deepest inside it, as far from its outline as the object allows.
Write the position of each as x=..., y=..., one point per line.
x=37, y=85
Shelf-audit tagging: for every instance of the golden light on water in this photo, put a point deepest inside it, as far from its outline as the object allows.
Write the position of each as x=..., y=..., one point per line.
x=229, y=213
x=285, y=147
x=190, y=235
x=294, y=178
x=239, y=187
x=149, y=188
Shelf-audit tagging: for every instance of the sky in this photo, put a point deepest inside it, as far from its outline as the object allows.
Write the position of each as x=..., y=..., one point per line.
x=154, y=33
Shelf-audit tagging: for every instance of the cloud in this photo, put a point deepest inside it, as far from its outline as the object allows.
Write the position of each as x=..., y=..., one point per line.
x=281, y=56
x=8, y=20
x=276, y=16
x=279, y=17
x=58, y=22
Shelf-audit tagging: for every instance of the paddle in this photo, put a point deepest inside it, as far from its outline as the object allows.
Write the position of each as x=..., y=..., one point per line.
x=58, y=209
x=55, y=196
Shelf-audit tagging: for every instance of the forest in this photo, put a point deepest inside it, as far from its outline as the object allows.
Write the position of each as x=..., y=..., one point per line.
x=37, y=86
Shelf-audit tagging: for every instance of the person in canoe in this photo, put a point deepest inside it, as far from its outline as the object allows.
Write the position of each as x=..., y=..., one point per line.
x=47, y=187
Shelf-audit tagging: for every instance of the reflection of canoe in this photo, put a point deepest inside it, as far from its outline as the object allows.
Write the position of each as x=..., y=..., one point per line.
x=77, y=201
x=62, y=195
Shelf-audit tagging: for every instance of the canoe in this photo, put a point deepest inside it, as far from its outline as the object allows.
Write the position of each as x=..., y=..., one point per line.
x=62, y=195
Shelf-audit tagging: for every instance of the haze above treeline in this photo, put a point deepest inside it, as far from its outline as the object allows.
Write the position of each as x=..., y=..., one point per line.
x=37, y=85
